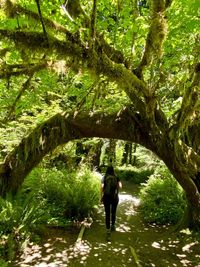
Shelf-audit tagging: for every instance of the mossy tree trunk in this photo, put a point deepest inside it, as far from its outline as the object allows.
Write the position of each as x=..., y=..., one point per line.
x=125, y=154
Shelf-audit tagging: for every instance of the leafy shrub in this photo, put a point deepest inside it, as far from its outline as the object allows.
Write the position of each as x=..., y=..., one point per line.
x=162, y=198
x=130, y=173
x=3, y=263
x=17, y=219
x=68, y=195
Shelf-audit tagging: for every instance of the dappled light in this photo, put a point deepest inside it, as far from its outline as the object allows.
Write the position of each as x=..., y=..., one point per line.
x=153, y=245
x=91, y=90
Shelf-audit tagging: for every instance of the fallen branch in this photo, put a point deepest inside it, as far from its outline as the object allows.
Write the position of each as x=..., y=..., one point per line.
x=80, y=236
x=135, y=256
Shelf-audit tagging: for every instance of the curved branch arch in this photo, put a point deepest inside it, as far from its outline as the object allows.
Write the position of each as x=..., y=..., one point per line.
x=61, y=129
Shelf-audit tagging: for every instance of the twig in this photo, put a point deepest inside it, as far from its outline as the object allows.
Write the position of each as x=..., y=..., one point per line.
x=82, y=101
x=41, y=19
x=80, y=236
x=135, y=256
x=23, y=89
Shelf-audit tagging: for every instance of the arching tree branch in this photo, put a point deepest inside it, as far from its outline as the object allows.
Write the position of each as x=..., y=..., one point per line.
x=97, y=61
x=59, y=130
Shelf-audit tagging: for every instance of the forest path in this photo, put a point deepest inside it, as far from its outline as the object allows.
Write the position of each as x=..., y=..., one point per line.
x=155, y=246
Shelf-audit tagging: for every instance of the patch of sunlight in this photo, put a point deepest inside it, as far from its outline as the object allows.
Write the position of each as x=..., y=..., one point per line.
x=49, y=250
x=123, y=228
x=43, y=264
x=47, y=245
x=81, y=249
x=126, y=197
x=156, y=245
x=181, y=255
x=173, y=244
x=130, y=211
x=188, y=247
x=185, y=262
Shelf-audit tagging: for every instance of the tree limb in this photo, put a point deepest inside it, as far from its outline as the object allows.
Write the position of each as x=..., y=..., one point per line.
x=20, y=69
x=95, y=61
x=59, y=130
x=23, y=89
x=190, y=103
x=93, y=21
x=98, y=63
x=111, y=52
x=156, y=35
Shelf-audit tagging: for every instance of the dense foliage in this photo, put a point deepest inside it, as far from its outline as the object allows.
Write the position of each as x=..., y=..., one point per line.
x=36, y=83
x=162, y=199
x=68, y=195
x=49, y=197
x=112, y=69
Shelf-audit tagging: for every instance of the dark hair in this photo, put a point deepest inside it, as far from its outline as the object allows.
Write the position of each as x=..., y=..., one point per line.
x=110, y=170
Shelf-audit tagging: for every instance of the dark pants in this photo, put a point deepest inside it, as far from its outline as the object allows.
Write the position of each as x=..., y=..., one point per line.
x=110, y=205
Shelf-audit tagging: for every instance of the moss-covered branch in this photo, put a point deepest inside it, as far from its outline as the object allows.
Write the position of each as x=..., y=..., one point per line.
x=96, y=61
x=14, y=10
x=93, y=22
x=156, y=35
x=59, y=130
x=190, y=104
x=7, y=70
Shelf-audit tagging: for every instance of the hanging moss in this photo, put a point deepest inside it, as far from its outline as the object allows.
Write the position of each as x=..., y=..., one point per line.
x=8, y=8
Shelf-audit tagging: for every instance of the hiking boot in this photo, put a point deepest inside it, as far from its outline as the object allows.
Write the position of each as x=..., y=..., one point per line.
x=108, y=235
x=113, y=228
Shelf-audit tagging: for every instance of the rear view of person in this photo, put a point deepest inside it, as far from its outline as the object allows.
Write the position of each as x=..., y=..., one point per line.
x=110, y=188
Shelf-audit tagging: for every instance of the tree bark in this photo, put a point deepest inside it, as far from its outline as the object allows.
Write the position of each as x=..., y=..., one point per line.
x=125, y=154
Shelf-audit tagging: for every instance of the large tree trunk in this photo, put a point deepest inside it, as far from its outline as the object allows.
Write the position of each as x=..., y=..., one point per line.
x=125, y=126
x=125, y=154
x=184, y=174
x=93, y=156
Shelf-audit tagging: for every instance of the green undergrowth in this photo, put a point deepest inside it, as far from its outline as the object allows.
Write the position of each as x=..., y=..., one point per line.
x=19, y=218
x=48, y=197
x=68, y=195
x=134, y=174
x=162, y=199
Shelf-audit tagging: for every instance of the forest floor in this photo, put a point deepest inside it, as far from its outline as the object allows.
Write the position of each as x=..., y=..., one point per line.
x=156, y=246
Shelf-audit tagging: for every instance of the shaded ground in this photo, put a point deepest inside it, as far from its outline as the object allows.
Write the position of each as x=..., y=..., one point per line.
x=154, y=246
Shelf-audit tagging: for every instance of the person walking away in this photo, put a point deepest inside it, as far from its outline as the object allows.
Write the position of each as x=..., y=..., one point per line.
x=109, y=191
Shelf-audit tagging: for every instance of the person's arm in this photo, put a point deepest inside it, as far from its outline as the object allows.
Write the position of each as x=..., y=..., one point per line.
x=119, y=184
x=102, y=188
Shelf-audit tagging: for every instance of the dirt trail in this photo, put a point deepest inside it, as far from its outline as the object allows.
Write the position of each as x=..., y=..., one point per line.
x=154, y=245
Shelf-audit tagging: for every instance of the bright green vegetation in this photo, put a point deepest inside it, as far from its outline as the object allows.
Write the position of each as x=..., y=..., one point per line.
x=121, y=73
x=162, y=199
x=67, y=195
x=49, y=197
